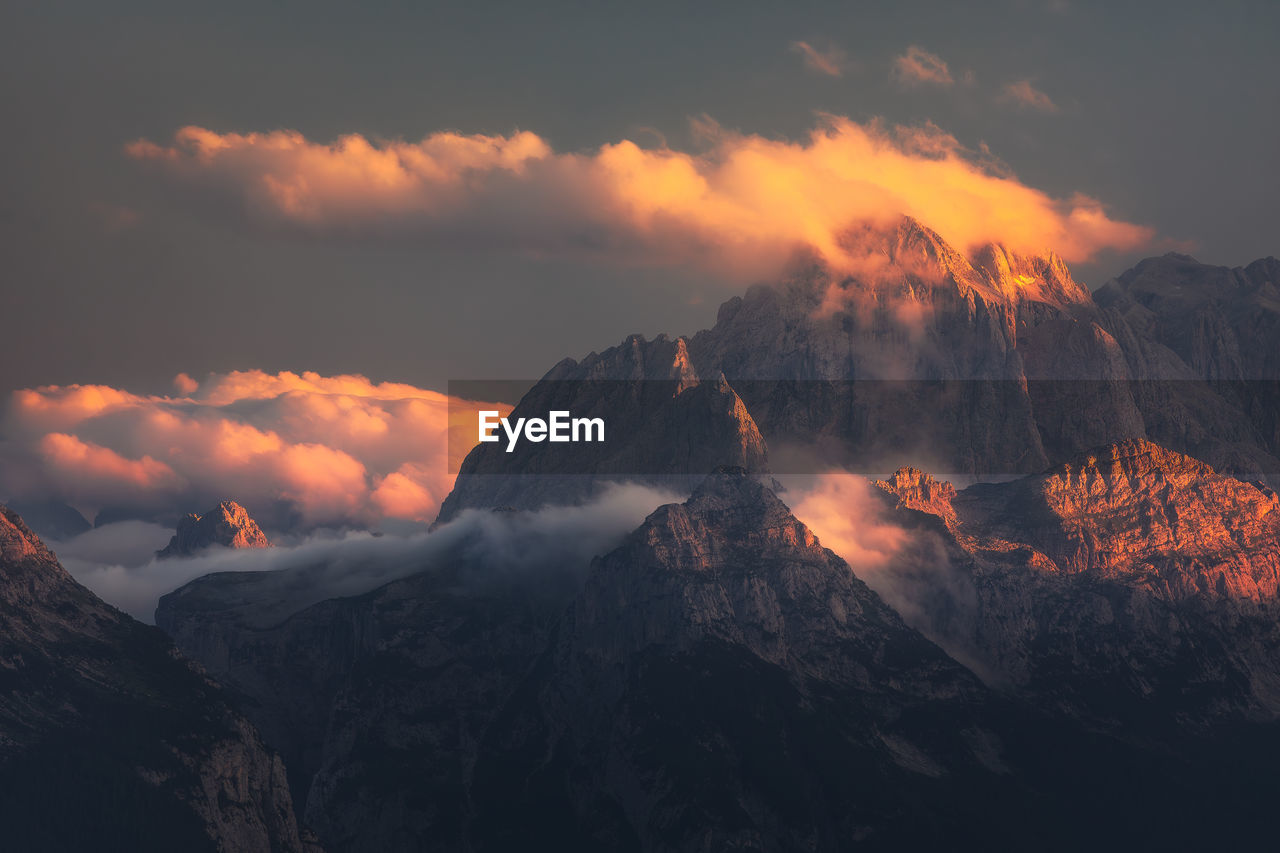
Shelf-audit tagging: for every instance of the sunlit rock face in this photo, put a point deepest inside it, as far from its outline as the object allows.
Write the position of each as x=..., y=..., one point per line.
x=1133, y=583
x=227, y=525
x=110, y=740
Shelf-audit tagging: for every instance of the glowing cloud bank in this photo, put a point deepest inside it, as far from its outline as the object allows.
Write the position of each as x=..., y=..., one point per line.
x=740, y=206
x=319, y=449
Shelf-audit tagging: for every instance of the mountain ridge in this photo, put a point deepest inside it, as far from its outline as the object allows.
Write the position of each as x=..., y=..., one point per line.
x=146, y=752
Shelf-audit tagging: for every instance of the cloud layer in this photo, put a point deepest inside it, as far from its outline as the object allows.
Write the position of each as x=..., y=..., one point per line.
x=741, y=206
x=294, y=448
x=117, y=562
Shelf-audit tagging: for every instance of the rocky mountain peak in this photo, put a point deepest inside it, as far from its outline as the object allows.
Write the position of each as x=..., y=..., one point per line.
x=17, y=543
x=915, y=245
x=635, y=359
x=732, y=564
x=1038, y=278
x=914, y=489
x=228, y=525
x=920, y=256
x=28, y=569
x=735, y=502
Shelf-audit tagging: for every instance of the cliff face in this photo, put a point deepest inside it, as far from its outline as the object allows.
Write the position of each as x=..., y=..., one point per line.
x=1133, y=583
x=110, y=740
x=227, y=525
x=377, y=702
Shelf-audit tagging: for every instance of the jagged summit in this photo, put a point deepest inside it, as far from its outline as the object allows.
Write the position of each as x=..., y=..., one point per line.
x=1132, y=510
x=228, y=525
x=911, y=258
x=18, y=544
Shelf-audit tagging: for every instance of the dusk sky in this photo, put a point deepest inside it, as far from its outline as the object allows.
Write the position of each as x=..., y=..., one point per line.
x=134, y=253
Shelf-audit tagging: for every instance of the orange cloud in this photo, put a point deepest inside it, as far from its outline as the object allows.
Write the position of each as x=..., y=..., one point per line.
x=1023, y=94
x=81, y=465
x=829, y=62
x=843, y=513
x=741, y=207
x=332, y=449
x=918, y=66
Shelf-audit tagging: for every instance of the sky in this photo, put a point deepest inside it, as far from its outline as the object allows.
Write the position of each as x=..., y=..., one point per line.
x=538, y=202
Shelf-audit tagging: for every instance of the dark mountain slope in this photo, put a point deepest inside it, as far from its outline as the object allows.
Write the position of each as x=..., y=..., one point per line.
x=108, y=739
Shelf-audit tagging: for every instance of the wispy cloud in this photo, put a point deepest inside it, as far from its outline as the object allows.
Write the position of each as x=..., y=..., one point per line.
x=829, y=61
x=920, y=67
x=118, y=561
x=1022, y=94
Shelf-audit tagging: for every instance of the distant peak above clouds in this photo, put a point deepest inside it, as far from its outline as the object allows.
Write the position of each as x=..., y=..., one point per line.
x=227, y=525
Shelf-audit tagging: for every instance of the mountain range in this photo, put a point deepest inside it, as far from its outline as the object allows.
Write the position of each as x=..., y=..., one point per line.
x=1075, y=647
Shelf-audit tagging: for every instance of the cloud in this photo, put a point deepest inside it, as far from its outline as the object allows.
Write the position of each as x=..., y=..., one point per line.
x=908, y=567
x=80, y=464
x=920, y=67
x=1021, y=93
x=830, y=61
x=845, y=515
x=555, y=543
x=294, y=448
x=740, y=206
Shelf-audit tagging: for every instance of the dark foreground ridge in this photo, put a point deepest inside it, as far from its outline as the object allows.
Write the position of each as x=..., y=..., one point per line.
x=109, y=740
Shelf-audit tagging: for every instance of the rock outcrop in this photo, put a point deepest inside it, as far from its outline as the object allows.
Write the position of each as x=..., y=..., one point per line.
x=227, y=525
x=109, y=740
x=1132, y=584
